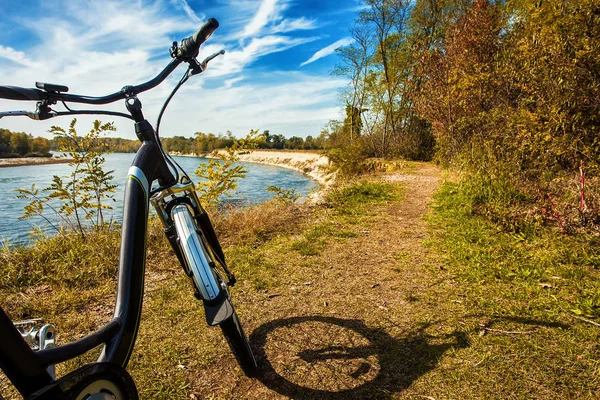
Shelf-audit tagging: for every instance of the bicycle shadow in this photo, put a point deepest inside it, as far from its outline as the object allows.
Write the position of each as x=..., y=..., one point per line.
x=348, y=371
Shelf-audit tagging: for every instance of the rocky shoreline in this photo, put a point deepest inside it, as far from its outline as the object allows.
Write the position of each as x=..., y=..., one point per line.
x=312, y=164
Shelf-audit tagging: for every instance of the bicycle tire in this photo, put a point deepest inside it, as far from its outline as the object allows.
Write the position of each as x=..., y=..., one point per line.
x=239, y=345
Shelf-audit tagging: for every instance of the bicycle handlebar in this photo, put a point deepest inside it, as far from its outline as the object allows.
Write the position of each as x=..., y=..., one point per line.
x=19, y=93
x=191, y=46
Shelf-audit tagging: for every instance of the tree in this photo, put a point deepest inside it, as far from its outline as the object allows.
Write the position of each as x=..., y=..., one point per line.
x=295, y=143
x=221, y=173
x=19, y=143
x=278, y=141
x=268, y=138
x=310, y=143
x=5, y=147
x=459, y=88
x=40, y=145
x=82, y=195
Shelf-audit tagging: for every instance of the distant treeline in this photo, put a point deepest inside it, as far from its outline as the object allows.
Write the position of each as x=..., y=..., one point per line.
x=204, y=143
x=19, y=144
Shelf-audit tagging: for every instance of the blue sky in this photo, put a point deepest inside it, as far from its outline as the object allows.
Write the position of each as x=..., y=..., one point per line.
x=275, y=74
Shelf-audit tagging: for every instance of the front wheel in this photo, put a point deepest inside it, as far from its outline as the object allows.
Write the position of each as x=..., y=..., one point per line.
x=240, y=347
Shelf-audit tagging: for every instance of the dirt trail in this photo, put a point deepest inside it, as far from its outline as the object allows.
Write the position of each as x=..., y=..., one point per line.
x=348, y=324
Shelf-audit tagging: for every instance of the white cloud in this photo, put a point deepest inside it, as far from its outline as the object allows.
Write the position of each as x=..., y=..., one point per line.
x=291, y=25
x=188, y=10
x=15, y=56
x=96, y=48
x=324, y=52
x=265, y=13
x=269, y=19
x=291, y=104
x=228, y=84
x=237, y=60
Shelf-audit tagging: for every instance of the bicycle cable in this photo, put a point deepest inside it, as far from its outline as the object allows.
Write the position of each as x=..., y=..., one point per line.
x=170, y=160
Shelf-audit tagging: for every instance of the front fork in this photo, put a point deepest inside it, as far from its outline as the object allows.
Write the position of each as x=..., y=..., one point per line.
x=192, y=237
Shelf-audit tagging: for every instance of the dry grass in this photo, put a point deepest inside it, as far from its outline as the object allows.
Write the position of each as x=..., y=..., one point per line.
x=344, y=301
x=260, y=223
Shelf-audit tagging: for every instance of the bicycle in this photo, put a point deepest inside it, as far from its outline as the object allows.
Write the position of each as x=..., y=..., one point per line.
x=186, y=224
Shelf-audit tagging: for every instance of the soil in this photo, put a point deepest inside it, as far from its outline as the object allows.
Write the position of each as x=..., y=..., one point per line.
x=347, y=324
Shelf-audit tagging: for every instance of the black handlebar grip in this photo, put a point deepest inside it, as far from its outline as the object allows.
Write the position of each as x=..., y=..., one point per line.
x=19, y=93
x=189, y=47
x=205, y=31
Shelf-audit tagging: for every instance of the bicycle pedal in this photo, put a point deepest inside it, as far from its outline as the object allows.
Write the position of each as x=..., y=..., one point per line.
x=39, y=336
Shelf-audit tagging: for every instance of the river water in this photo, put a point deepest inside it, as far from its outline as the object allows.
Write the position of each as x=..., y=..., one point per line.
x=251, y=190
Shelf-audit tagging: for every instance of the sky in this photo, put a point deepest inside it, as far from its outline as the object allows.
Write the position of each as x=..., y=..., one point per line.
x=275, y=74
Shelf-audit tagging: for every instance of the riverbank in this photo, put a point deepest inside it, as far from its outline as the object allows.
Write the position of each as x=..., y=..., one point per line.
x=25, y=161
x=312, y=164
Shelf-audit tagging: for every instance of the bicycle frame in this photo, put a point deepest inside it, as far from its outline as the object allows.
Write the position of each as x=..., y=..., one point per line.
x=27, y=369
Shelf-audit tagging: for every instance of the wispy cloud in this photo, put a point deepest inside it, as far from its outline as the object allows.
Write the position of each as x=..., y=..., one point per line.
x=98, y=47
x=15, y=56
x=237, y=60
x=266, y=11
x=230, y=82
x=291, y=104
x=297, y=24
x=183, y=4
x=324, y=52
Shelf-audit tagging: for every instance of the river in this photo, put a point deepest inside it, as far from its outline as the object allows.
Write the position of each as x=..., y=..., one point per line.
x=13, y=231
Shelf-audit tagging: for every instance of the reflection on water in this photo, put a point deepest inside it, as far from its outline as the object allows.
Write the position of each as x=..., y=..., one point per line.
x=250, y=190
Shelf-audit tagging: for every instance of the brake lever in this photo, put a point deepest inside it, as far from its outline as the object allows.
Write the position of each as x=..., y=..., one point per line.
x=201, y=67
x=35, y=115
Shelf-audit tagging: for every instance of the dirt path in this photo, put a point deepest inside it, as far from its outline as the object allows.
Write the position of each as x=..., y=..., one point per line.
x=347, y=323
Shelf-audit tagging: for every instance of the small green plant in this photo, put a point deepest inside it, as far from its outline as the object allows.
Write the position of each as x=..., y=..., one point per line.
x=284, y=195
x=220, y=174
x=79, y=198
x=363, y=192
x=35, y=208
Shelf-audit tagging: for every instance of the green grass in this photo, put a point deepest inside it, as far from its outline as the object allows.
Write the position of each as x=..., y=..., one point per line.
x=352, y=201
x=557, y=271
x=538, y=283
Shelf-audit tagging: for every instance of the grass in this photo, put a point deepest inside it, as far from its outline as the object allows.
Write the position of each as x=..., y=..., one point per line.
x=559, y=272
x=524, y=294
x=360, y=298
x=70, y=282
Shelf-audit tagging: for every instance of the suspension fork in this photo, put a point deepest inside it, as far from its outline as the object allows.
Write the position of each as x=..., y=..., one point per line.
x=185, y=194
x=178, y=208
